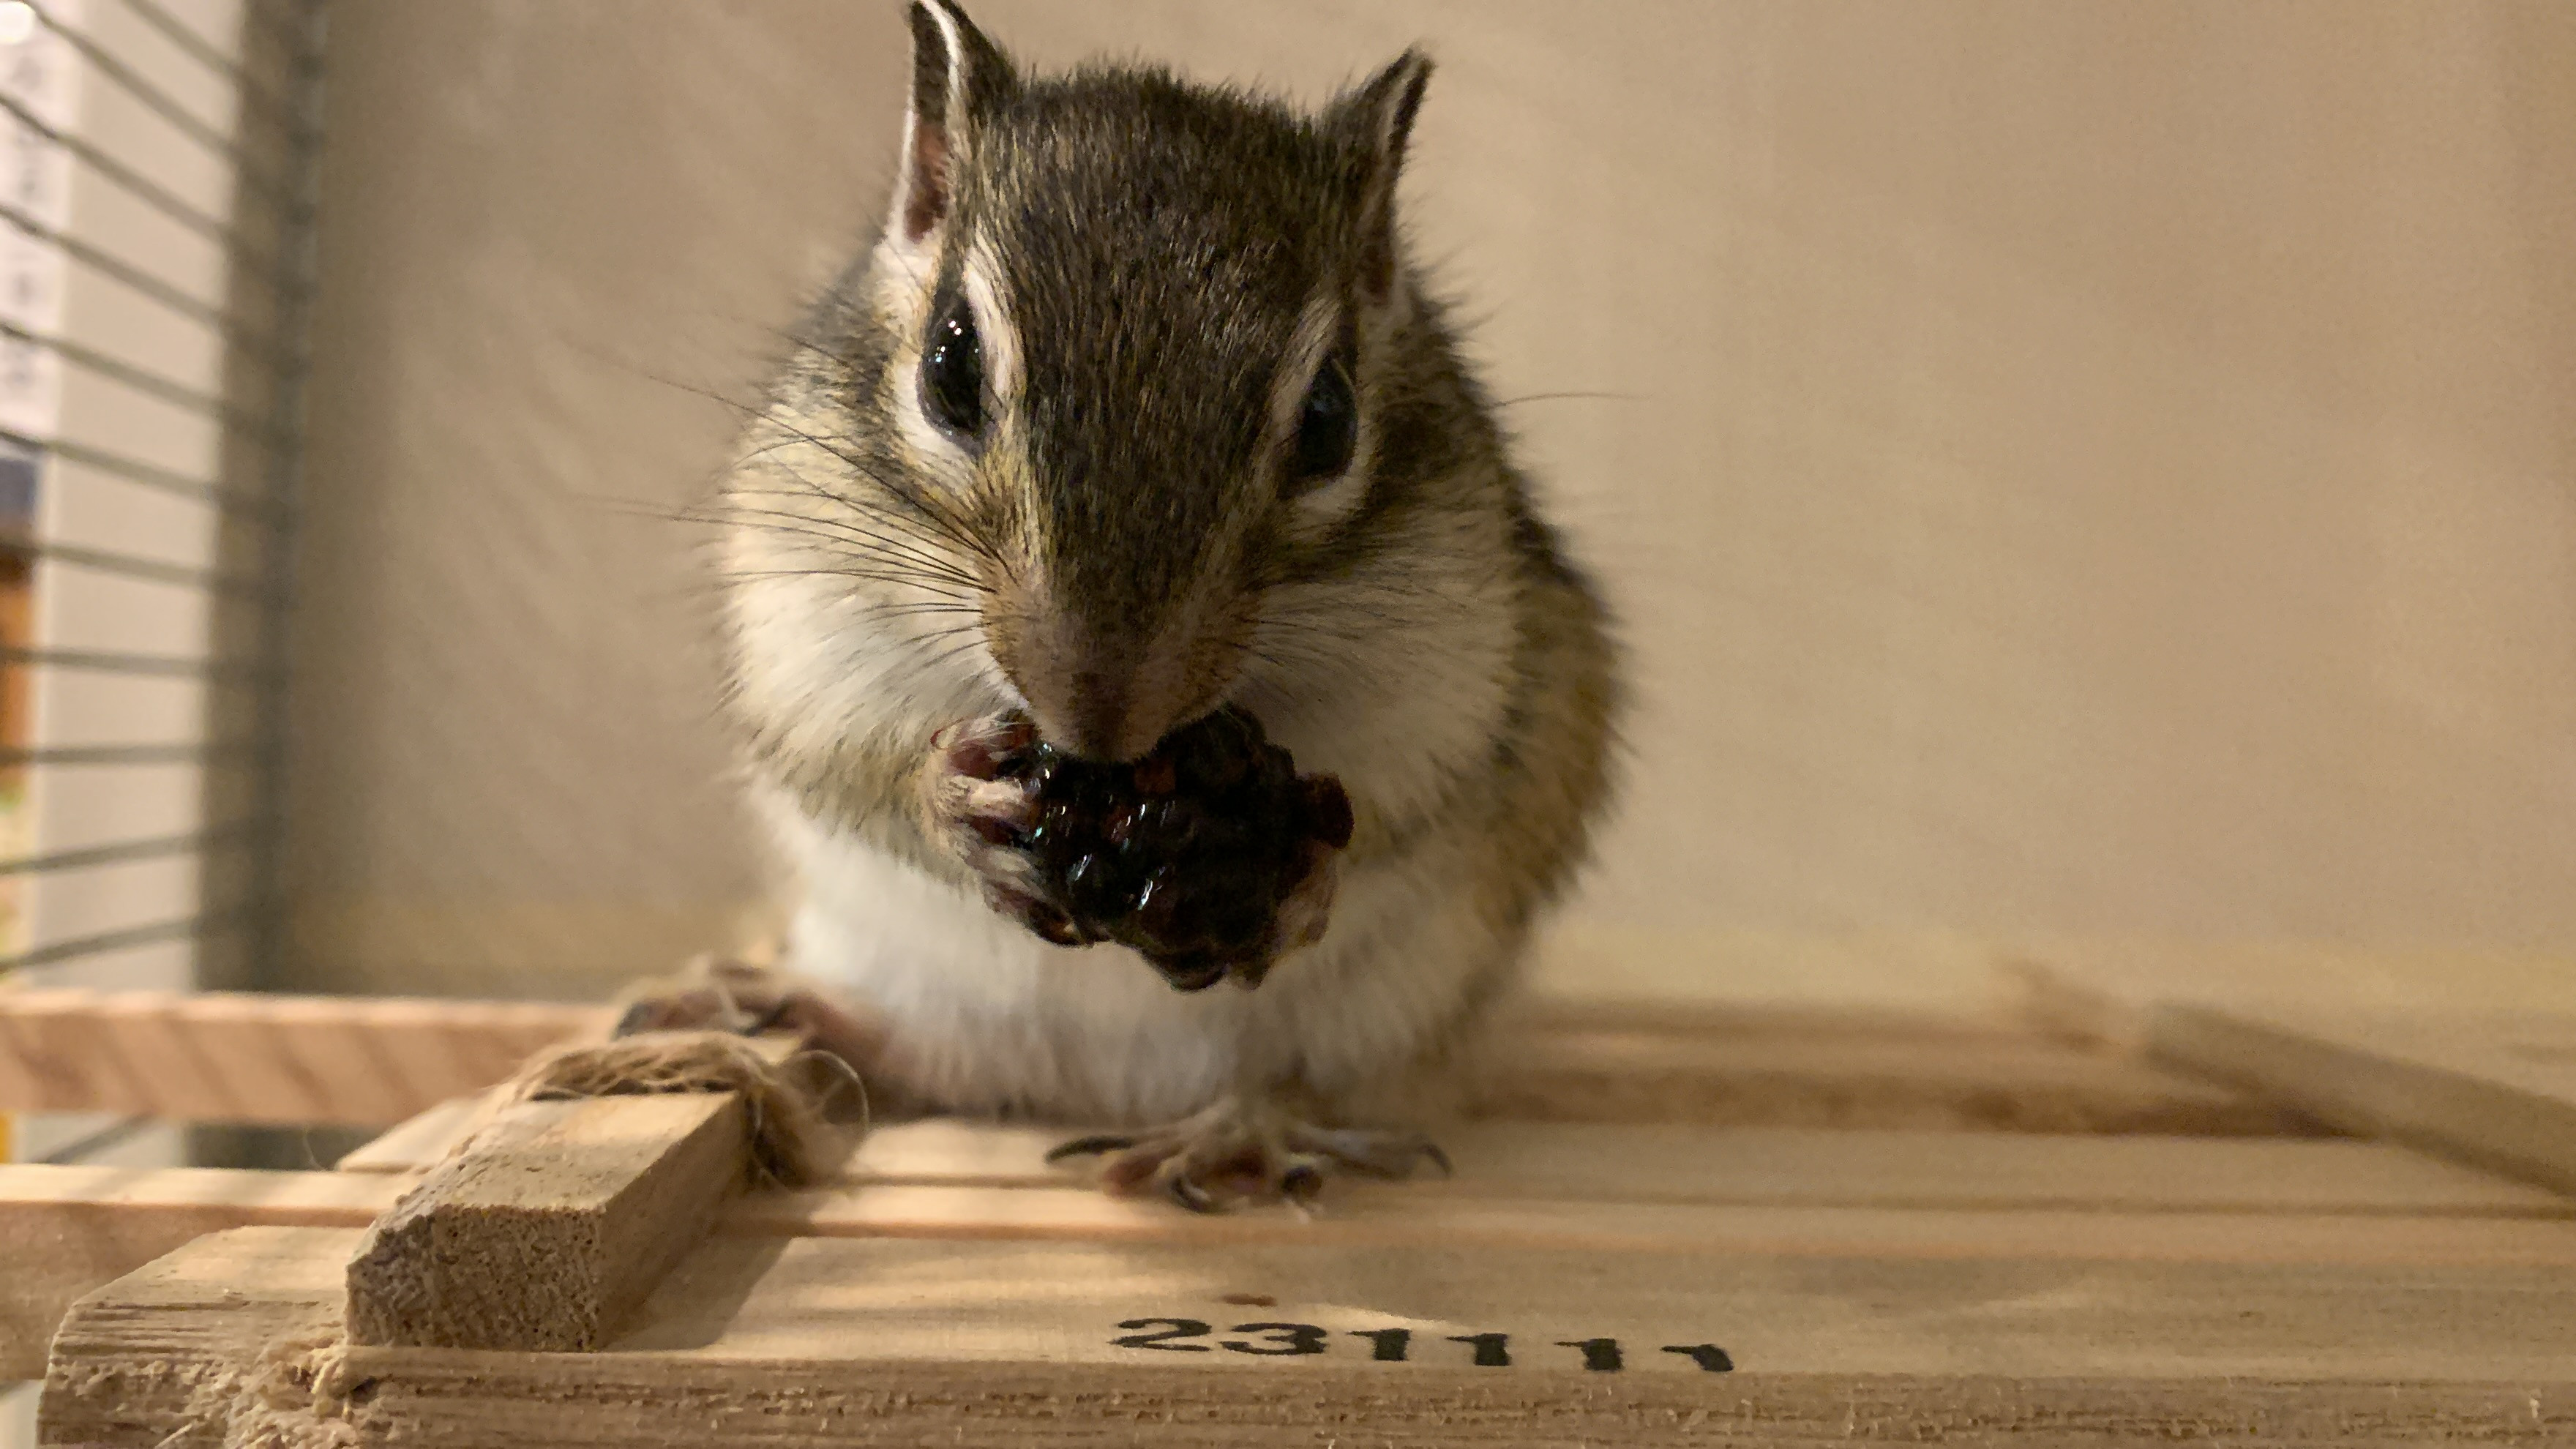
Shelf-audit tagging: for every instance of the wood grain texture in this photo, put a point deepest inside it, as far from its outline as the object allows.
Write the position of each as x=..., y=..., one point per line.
x=1979, y=1081
x=2495, y=1088
x=820, y=1342
x=1785, y=1166
x=1803, y=1194
x=236, y=1057
x=1810, y=1167
x=64, y=1231
x=1390, y=1216
x=550, y=1224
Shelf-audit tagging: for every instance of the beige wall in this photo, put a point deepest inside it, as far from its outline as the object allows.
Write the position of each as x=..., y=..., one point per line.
x=2070, y=472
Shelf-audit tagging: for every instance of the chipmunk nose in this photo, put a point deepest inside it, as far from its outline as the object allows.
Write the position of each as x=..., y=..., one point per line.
x=1102, y=698
x=1101, y=721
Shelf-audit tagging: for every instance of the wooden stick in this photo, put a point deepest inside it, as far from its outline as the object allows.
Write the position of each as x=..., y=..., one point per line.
x=2497, y=1089
x=553, y=1221
x=233, y=1057
x=1053, y=1346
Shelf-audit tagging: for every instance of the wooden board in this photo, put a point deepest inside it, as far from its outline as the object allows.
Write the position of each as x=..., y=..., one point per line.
x=1028, y=1345
x=1376, y=1216
x=67, y=1230
x=550, y=1224
x=1815, y=1167
x=1979, y=1081
x=1745, y=1190
x=2495, y=1088
x=1773, y=1165
x=284, y=1059
x=2110, y=992
x=233, y=1057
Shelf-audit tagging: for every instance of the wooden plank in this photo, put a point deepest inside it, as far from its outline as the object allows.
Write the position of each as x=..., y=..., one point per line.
x=1821, y=1167
x=552, y=1223
x=1033, y=1346
x=1979, y=1082
x=2498, y=1089
x=1777, y=1165
x=68, y=1230
x=220, y=1056
x=1376, y=1215
x=1807, y=1067
x=375, y=1061
x=92, y=1224
x=2110, y=992
x=1759, y=1020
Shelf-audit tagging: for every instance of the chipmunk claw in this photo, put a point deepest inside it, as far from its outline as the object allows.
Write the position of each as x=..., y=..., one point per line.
x=1190, y=1195
x=1090, y=1146
x=1232, y=1154
x=979, y=810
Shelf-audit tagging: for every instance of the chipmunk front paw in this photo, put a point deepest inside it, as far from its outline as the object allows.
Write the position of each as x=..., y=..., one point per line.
x=981, y=808
x=1242, y=1151
x=717, y=993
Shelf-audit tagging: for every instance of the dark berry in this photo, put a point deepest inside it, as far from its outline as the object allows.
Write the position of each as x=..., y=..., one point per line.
x=1328, y=810
x=1185, y=855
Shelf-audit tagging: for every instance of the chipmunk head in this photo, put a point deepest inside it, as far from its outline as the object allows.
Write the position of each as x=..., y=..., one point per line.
x=1127, y=357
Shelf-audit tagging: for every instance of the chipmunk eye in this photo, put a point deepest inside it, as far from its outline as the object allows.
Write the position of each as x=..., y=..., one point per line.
x=952, y=371
x=1328, y=426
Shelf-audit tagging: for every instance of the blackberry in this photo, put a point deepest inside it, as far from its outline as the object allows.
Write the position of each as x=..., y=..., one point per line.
x=1185, y=855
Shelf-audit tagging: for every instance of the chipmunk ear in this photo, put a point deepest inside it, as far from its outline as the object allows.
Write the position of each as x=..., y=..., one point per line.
x=956, y=72
x=1378, y=116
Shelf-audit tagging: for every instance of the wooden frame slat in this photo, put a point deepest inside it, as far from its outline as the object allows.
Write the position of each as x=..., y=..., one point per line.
x=1799, y=1193
x=1052, y=1346
x=1784, y=1166
x=2494, y=1088
x=239, y=1057
x=1972, y=1080
x=374, y=1062
x=68, y=1230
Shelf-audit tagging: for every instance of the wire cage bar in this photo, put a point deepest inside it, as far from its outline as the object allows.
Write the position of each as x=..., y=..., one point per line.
x=158, y=175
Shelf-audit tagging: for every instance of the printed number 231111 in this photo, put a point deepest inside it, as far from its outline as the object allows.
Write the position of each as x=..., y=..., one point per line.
x=1386, y=1345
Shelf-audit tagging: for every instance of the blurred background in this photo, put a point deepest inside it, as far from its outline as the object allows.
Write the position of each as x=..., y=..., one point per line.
x=2078, y=481
x=2075, y=478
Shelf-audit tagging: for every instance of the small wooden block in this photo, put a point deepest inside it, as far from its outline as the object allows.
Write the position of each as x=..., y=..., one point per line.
x=548, y=1226
x=2494, y=1088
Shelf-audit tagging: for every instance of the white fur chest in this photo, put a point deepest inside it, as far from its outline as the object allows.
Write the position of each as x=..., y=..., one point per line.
x=985, y=1017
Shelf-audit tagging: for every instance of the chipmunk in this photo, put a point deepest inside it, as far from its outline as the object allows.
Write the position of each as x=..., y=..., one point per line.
x=1139, y=409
